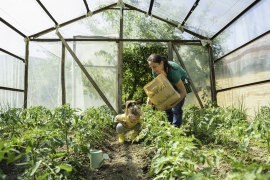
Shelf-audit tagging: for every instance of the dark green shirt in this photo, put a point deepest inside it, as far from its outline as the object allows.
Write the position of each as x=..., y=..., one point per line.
x=176, y=72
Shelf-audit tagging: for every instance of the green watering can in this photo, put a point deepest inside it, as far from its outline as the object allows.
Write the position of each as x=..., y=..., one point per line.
x=96, y=158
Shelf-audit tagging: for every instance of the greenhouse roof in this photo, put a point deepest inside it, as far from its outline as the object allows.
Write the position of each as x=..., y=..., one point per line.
x=204, y=19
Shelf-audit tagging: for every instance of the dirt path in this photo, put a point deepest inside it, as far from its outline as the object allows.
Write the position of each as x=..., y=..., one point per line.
x=127, y=162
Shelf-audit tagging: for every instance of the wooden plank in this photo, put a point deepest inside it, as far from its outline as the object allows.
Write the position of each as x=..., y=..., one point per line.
x=85, y=71
x=63, y=75
x=11, y=54
x=212, y=74
x=11, y=89
x=191, y=82
x=178, y=41
x=26, y=74
x=170, y=51
x=120, y=66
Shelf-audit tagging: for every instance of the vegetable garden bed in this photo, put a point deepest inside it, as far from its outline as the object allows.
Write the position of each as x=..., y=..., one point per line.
x=213, y=143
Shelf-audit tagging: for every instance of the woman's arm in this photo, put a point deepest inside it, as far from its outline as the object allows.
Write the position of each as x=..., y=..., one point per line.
x=180, y=86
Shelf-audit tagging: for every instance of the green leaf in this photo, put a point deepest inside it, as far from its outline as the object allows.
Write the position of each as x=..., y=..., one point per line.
x=66, y=167
x=28, y=149
x=35, y=167
x=57, y=155
x=216, y=161
x=14, y=158
x=43, y=176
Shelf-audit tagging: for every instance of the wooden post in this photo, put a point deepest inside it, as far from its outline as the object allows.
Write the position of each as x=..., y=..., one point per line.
x=26, y=72
x=192, y=85
x=170, y=51
x=85, y=71
x=212, y=74
x=120, y=65
x=63, y=75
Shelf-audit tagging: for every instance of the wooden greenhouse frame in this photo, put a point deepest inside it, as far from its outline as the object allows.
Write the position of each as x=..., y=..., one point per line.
x=121, y=6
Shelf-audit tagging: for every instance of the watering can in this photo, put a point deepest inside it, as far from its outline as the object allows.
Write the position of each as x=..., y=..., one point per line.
x=96, y=158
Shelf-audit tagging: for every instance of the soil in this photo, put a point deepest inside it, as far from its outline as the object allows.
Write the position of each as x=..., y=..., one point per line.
x=127, y=161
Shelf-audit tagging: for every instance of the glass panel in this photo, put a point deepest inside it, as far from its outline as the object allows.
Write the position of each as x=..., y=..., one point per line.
x=11, y=72
x=94, y=5
x=211, y=16
x=138, y=26
x=102, y=24
x=11, y=41
x=11, y=99
x=64, y=10
x=196, y=60
x=44, y=81
x=27, y=16
x=100, y=60
x=249, y=98
x=247, y=65
x=172, y=9
x=141, y=4
x=248, y=27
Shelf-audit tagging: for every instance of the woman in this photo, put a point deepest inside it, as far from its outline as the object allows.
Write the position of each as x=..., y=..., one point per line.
x=176, y=75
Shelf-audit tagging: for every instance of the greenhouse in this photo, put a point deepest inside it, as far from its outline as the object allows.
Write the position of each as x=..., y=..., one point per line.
x=68, y=67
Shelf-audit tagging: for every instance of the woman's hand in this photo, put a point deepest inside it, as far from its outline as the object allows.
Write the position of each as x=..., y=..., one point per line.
x=149, y=102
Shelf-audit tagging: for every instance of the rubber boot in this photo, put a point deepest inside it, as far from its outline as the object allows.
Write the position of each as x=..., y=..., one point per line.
x=121, y=138
x=134, y=135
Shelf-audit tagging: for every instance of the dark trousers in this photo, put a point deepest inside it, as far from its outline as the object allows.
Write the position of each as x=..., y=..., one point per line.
x=175, y=114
